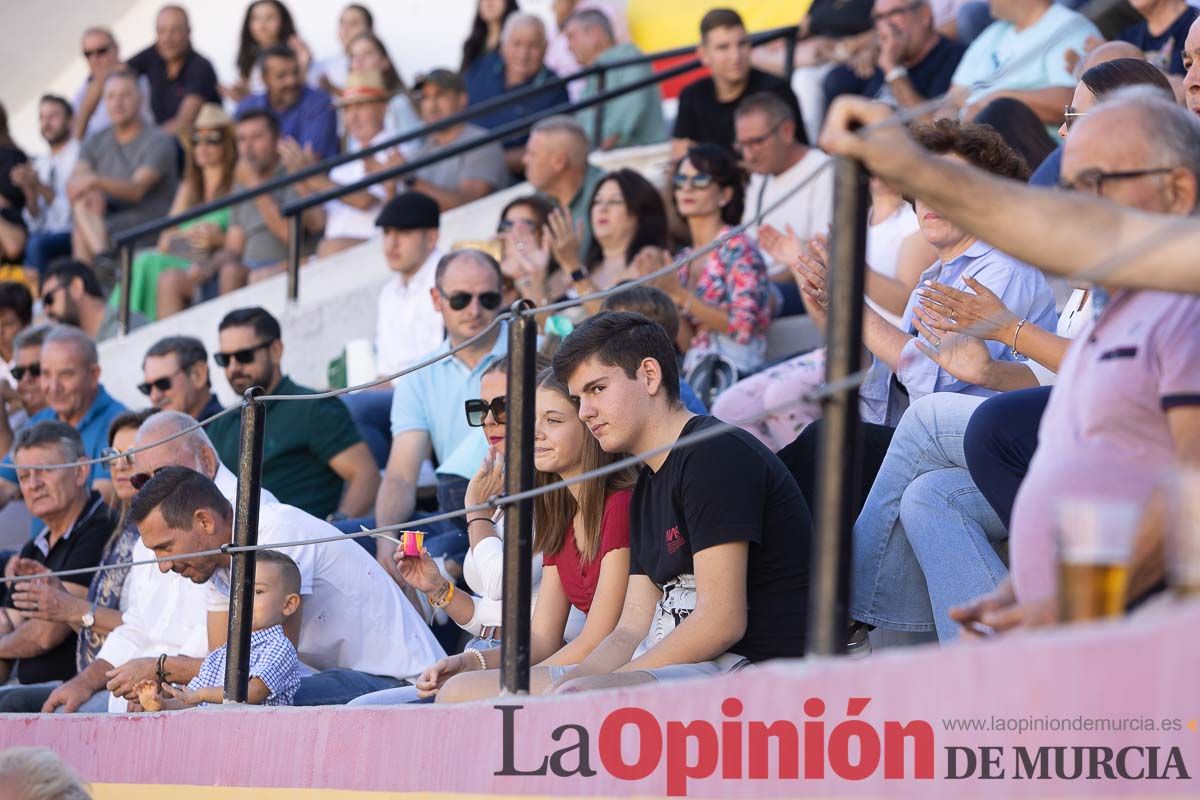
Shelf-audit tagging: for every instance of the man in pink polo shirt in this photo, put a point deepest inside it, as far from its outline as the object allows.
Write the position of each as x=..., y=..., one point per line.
x=1126, y=408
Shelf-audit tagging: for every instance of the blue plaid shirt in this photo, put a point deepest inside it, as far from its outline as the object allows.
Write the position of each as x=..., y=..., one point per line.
x=273, y=660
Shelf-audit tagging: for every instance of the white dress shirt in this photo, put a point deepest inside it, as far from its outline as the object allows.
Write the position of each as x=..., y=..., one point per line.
x=407, y=327
x=54, y=170
x=345, y=221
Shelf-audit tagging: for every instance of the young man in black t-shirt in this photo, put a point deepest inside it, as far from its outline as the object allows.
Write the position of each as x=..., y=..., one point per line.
x=706, y=107
x=719, y=532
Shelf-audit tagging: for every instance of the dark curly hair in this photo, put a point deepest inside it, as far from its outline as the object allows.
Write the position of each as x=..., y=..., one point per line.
x=979, y=145
x=720, y=163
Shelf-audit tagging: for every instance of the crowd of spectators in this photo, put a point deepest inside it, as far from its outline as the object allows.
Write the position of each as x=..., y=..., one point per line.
x=696, y=562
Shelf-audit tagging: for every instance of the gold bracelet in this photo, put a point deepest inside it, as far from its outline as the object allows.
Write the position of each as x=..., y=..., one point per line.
x=446, y=597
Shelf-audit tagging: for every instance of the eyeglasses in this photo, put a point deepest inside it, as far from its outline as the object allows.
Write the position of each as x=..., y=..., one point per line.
x=612, y=202
x=139, y=479
x=895, y=12
x=460, y=300
x=701, y=180
x=1092, y=180
x=246, y=355
x=162, y=384
x=99, y=51
x=207, y=138
x=34, y=370
x=115, y=454
x=507, y=225
x=477, y=411
x=1070, y=115
x=756, y=141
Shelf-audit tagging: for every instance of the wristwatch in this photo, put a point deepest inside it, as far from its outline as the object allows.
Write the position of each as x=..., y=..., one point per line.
x=89, y=617
x=895, y=74
x=578, y=275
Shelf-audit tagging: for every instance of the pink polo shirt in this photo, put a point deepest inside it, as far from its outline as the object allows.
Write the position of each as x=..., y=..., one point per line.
x=1104, y=433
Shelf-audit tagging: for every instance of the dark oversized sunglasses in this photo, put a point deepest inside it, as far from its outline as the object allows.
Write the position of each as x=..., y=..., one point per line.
x=34, y=370
x=244, y=356
x=460, y=300
x=162, y=384
x=207, y=138
x=477, y=411
x=701, y=180
x=139, y=479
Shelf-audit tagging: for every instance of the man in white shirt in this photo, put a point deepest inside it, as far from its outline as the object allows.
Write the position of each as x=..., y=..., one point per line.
x=765, y=136
x=407, y=326
x=355, y=627
x=349, y=220
x=44, y=183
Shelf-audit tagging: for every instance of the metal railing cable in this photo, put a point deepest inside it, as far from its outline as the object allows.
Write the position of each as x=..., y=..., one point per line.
x=719, y=428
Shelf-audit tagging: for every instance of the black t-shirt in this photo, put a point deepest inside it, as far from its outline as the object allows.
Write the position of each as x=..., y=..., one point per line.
x=730, y=488
x=9, y=158
x=197, y=77
x=931, y=77
x=80, y=547
x=702, y=119
x=1166, y=50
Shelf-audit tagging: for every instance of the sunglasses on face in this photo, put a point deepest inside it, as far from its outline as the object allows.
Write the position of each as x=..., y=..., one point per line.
x=48, y=297
x=207, y=138
x=34, y=370
x=99, y=51
x=115, y=454
x=244, y=356
x=139, y=479
x=701, y=180
x=162, y=384
x=460, y=300
x=477, y=411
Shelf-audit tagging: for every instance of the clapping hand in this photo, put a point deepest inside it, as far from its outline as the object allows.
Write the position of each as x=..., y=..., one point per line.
x=951, y=310
x=295, y=157
x=488, y=482
x=785, y=248
x=965, y=357
x=565, y=236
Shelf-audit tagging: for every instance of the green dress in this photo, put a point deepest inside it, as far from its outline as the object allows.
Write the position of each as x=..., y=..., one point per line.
x=149, y=264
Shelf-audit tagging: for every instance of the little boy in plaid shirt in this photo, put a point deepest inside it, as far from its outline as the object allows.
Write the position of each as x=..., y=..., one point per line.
x=274, y=664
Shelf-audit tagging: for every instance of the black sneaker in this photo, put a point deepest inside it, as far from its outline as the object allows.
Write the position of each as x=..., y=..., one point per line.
x=858, y=643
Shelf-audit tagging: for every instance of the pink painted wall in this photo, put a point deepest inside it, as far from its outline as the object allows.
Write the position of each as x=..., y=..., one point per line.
x=1146, y=667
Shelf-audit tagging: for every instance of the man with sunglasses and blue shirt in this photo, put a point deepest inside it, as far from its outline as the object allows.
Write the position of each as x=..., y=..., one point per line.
x=312, y=448
x=176, y=377
x=427, y=406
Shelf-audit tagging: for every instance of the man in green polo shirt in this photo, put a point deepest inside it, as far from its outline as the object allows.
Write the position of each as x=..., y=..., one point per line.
x=556, y=164
x=311, y=448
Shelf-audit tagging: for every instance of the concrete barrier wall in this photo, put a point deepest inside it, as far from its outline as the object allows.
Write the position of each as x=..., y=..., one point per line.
x=705, y=738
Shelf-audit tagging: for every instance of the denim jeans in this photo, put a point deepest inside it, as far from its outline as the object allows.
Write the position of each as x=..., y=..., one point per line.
x=371, y=411
x=43, y=248
x=336, y=687
x=924, y=540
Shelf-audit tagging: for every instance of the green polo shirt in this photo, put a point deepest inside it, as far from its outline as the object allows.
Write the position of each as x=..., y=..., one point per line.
x=301, y=438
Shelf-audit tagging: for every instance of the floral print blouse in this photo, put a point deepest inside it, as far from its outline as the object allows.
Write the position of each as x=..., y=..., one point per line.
x=734, y=279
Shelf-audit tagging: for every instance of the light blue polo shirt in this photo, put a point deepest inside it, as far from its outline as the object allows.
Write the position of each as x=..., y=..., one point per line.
x=93, y=429
x=1031, y=59
x=432, y=400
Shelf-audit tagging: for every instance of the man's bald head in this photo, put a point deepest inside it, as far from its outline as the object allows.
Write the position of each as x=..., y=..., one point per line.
x=193, y=449
x=1111, y=51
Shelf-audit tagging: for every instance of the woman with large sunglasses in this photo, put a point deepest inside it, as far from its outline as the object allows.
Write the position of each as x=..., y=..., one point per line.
x=165, y=279
x=478, y=614
x=723, y=297
x=582, y=533
x=95, y=616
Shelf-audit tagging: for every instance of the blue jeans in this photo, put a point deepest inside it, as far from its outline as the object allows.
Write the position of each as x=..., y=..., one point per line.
x=371, y=411
x=924, y=540
x=336, y=687
x=43, y=248
x=1000, y=443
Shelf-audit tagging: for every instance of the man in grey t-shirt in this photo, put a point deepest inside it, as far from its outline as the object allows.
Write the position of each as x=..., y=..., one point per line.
x=256, y=243
x=126, y=174
x=459, y=180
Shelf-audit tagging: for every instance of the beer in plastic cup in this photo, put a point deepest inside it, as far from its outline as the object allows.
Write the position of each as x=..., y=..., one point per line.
x=1095, y=542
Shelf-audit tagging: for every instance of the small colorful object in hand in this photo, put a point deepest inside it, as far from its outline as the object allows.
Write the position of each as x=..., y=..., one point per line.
x=413, y=543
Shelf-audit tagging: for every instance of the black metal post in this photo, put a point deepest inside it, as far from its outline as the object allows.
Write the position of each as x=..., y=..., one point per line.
x=789, y=54
x=840, y=446
x=598, y=121
x=518, y=517
x=295, y=247
x=245, y=534
x=126, y=251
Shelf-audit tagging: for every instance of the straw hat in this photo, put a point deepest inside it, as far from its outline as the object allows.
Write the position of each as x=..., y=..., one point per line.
x=364, y=87
x=212, y=116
